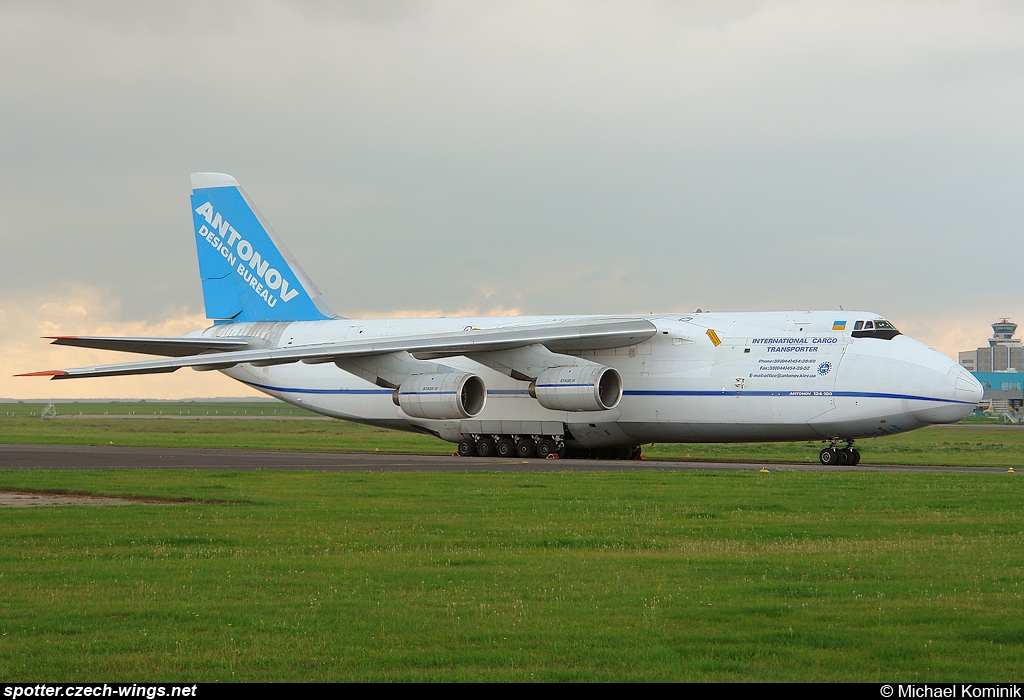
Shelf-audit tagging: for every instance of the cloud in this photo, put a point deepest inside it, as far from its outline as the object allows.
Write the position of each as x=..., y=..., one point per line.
x=951, y=334
x=552, y=158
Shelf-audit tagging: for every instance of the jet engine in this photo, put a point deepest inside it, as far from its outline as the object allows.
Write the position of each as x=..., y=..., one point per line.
x=588, y=387
x=442, y=396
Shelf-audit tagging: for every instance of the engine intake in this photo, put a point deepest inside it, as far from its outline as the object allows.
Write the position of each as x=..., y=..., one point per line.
x=442, y=396
x=579, y=388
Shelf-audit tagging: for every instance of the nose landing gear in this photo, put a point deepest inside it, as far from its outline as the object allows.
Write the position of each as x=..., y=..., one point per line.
x=845, y=457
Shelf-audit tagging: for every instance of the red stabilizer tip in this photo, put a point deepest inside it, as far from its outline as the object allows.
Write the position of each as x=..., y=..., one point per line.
x=59, y=337
x=47, y=373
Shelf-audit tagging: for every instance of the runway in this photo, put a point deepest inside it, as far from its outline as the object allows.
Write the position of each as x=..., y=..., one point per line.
x=106, y=457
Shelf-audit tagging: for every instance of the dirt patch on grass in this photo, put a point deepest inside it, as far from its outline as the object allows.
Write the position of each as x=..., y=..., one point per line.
x=27, y=500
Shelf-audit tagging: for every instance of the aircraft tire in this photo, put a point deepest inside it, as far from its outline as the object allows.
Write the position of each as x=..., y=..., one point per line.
x=561, y=451
x=524, y=448
x=505, y=447
x=545, y=447
x=827, y=456
x=485, y=447
x=843, y=457
x=466, y=448
x=854, y=457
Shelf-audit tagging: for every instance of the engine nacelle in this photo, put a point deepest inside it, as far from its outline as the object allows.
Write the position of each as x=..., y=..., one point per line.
x=581, y=388
x=442, y=396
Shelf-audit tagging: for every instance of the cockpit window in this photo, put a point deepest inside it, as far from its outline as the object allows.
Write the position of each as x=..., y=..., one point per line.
x=883, y=330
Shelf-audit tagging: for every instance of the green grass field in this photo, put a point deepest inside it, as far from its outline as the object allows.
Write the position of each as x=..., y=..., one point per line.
x=641, y=575
x=171, y=425
x=556, y=576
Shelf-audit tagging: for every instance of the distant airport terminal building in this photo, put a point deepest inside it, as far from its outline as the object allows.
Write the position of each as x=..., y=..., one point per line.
x=999, y=367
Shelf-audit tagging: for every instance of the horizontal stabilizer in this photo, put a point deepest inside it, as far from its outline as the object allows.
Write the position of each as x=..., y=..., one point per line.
x=102, y=371
x=167, y=347
x=584, y=334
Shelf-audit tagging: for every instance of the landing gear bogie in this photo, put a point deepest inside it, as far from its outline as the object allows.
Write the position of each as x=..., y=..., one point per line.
x=543, y=446
x=833, y=454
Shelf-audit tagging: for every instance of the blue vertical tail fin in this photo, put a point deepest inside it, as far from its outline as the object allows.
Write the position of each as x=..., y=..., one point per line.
x=247, y=273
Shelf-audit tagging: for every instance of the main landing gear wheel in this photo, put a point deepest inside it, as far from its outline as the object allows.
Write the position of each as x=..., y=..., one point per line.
x=485, y=447
x=524, y=448
x=545, y=447
x=466, y=448
x=854, y=456
x=505, y=447
x=829, y=456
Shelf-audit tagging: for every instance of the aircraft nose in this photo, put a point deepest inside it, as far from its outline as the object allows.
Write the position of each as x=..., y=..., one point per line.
x=958, y=392
x=965, y=386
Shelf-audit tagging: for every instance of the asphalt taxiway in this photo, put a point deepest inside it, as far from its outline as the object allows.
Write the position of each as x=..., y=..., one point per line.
x=113, y=457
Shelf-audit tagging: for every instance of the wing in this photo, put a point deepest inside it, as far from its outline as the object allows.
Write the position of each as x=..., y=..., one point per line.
x=582, y=334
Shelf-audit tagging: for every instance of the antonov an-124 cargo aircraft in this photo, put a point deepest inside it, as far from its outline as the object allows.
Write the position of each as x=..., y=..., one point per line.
x=596, y=386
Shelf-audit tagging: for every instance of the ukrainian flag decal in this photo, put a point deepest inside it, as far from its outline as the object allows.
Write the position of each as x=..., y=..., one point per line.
x=839, y=325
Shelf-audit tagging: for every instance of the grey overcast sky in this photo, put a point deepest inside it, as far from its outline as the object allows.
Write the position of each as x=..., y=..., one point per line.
x=520, y=157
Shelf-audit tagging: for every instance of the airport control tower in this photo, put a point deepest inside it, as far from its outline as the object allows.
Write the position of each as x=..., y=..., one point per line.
x=999, y=367
x=1003, y=330
x=1003, y=354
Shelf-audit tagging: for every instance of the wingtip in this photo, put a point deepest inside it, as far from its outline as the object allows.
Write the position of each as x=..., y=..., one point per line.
x=47, y=373
x=60, y=337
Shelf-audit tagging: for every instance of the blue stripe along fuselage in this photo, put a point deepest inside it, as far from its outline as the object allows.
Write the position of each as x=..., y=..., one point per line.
x=645, y=392
x=793, y=394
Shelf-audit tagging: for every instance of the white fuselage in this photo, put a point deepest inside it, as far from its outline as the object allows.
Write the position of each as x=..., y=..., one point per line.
x=754, y=377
